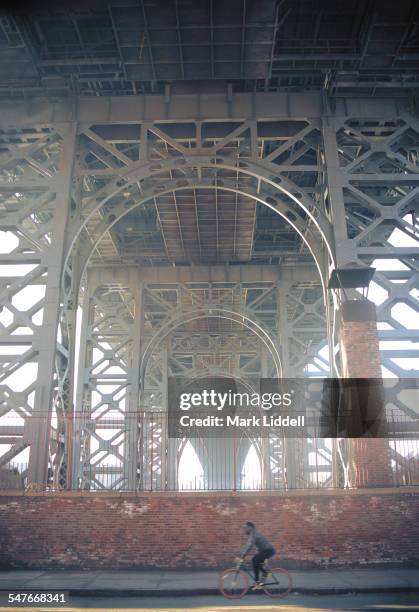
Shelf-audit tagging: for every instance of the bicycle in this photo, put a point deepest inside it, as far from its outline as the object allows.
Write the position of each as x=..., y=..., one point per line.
x=234, y=582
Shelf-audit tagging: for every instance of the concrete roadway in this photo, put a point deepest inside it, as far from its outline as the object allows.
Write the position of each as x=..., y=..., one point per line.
x=372, y=602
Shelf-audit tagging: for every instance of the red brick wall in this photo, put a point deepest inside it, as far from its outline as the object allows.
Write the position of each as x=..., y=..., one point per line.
x=102, y=530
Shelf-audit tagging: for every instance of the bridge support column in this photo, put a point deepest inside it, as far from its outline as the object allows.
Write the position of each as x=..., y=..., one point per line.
x=60, y=186
x=169, y=445
x=360, y=358
x=291, y=446
x=131, y=434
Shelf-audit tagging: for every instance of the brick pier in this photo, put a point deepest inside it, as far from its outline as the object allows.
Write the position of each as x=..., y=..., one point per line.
x=360, y=358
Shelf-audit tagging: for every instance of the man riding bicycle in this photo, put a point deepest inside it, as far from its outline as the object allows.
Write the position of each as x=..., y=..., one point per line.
x=264, y=548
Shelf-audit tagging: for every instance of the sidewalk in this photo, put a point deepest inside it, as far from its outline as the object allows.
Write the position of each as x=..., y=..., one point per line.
x=170, y=582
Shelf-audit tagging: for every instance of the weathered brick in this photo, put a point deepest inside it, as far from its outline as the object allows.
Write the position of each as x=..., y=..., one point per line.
x=205, y=530
x=370, y=463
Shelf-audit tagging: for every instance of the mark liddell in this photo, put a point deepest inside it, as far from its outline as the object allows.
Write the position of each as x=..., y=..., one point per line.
x=265, y=421
x=238, y=421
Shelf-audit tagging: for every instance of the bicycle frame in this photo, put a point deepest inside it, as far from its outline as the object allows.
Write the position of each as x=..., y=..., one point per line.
x=274, y=580
x=244, y=567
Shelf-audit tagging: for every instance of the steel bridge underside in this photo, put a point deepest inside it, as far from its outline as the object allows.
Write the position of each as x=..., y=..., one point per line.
x=190, y=235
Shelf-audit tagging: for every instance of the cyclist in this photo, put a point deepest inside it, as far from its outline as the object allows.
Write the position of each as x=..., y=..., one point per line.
x=264, y=548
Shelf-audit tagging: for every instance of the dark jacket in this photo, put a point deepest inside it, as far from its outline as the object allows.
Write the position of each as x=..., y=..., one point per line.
x=258, y=540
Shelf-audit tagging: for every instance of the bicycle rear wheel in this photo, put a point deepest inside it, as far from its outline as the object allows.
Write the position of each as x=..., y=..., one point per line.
x=277, y=583
x=233, y=583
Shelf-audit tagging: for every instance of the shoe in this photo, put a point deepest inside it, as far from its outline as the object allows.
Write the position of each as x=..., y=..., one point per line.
x=257, y=586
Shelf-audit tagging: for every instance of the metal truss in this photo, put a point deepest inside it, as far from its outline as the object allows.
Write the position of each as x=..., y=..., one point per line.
x=107, y=404
x=192, y=329
x=246, y=158
x=339, y=181
x=35, y=181
x=373, y=194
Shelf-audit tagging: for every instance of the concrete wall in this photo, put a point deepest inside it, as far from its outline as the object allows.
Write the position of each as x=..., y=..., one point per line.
x=205, y=530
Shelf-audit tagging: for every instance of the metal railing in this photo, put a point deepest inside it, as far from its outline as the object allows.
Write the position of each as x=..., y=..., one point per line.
x=204, y=464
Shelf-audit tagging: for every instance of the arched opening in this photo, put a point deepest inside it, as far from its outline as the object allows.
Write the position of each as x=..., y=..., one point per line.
x=252, y=470
x=190, y=470
x=241, y=318
x=316, y=238
x=277, y=197
x=215, y=462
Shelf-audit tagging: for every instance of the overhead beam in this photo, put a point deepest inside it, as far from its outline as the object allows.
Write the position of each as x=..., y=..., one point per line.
x=206, y=274
x=190, y=107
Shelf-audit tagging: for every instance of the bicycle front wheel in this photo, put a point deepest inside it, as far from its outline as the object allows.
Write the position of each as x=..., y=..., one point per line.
x=233, y=583
x=278, y=583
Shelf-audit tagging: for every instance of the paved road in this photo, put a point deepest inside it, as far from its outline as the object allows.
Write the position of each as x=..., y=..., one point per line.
x=398, y=602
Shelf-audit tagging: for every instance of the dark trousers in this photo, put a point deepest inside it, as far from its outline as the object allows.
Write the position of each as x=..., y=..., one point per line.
x=259, y=558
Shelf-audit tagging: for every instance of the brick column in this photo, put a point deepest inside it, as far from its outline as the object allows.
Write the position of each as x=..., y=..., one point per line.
x=360, y=358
